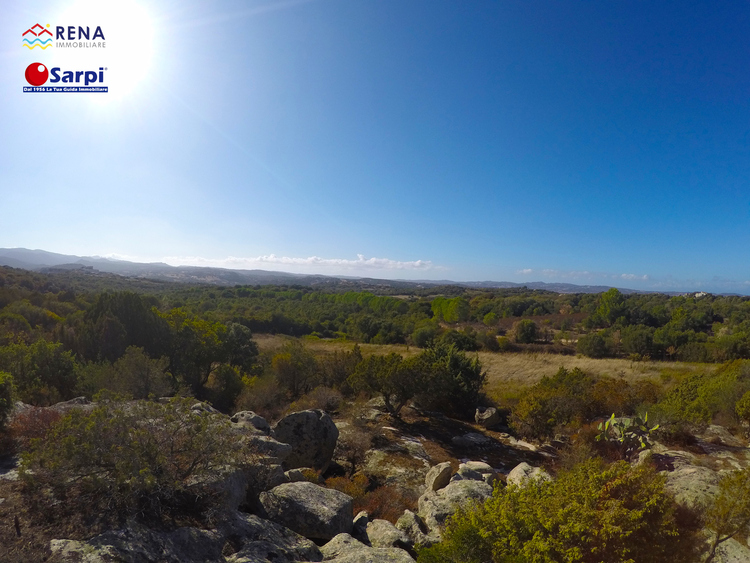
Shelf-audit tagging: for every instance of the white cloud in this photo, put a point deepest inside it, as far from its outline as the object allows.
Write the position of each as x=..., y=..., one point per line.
x=361, y=263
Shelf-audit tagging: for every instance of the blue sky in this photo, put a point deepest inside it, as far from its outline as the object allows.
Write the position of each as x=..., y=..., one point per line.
x=585, y=142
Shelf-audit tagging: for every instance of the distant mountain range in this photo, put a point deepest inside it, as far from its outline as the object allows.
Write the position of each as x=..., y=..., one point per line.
x=51, y=262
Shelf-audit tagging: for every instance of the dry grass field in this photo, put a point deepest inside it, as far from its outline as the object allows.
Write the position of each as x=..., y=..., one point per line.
x=509, y=373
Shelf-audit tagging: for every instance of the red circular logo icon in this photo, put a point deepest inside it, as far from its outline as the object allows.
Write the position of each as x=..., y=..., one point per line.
x=36, y=74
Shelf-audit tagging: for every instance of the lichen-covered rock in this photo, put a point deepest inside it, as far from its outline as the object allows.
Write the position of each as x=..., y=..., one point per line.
x=312, y=435
x=524, y=472
x=308, y=509
x=436, y=506
x=262, y=540
x=438, y=476
x=269, y=447
x=345, y=549
x=252, y=422
x=415, y=529
x=382, y=533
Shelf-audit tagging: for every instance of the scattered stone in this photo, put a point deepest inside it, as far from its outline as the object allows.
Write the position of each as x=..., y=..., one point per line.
x=438, y=476
x=487, y=417
x=312, y=435
x=308, y=509
x=524, y=472
x=252, y=422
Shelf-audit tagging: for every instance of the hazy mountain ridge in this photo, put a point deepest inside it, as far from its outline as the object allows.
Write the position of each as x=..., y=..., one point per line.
x=49, y=262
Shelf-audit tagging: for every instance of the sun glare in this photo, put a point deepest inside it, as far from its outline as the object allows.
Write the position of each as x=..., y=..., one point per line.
x=127, y=56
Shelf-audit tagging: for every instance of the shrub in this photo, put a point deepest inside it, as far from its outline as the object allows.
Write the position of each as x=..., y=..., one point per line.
x=591, y=513
x=6, y=397
x=322, y=398
x=141, y=459
x=525, y=331
x=32, y=424
x=387, y=503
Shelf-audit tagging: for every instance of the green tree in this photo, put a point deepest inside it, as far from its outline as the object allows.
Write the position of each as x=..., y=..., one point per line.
x=395, y=379
x=452, y=381
x=295, y=368
x=589, y=514
x=6, y=397
x=729, y=513
x=611, y=306
x=525, y=331
x=43, y=372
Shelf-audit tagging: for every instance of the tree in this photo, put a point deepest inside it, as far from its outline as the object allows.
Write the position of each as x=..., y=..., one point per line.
x=589, y=514
x=6, y=397
x=729, y=513
x=395, y=379
x=295, y=368
x=525, y=331
x=452, y=381
x=611, y=306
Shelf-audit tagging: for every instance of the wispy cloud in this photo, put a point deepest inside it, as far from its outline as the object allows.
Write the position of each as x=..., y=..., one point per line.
x=311, y=263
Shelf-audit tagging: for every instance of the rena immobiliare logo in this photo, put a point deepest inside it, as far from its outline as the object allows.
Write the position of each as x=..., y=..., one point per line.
x=42, y=79
x=37, y=36
x=64, y=37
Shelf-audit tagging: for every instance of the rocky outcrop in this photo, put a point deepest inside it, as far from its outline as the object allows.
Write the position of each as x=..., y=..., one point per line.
x=524, y=472
x=309, y=510
x=250, y=538
x=312, y=435
x=414, y=528
x=472, y=440
x=345, y=549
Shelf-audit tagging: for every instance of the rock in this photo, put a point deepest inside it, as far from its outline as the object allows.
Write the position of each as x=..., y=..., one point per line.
x=262, y=540
x=693, y=485
x=252, y=422
x=524, y=472
x=465, y=472
x=204, y=407
x=138, y=544
x=471, y=440
x=436, y=506
x=312, y=435
x=487, y=417
x=382, y=533
x=359, y=527
x=438, y=476
x=254, y=540
x=308, y=509
x=345, y=549
x=732, y=551
x=81, y=403
x=479, y=466
x=269, y=447
x=414, y=528
x=295, y=475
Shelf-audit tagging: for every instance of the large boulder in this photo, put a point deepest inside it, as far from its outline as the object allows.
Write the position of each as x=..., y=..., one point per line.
x=312, y=435
x=436, y=506
x=269, y=447
x=524, y=472
x=242, y=538
x=414, y=528
x=308, y=509
x=345, y=549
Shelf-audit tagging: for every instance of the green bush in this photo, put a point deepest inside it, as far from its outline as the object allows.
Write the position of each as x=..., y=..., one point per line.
x=139, y=459
x=591, y=513
x=525, y=331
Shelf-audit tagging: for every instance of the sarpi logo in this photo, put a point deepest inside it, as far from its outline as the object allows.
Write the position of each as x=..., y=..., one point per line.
x=37, y=75
x=37, y=36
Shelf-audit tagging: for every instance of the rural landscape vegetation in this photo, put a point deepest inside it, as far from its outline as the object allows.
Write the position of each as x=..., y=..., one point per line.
x=601, y=397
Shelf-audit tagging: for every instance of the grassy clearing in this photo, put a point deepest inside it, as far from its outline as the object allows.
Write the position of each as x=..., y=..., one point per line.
x=509, y=373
